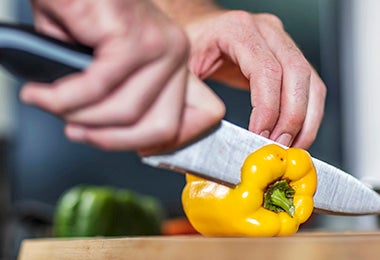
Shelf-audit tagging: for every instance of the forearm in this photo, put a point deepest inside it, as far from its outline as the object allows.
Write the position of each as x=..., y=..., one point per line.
x=184, y=11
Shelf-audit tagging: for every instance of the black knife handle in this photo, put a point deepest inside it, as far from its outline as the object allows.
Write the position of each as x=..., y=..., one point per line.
x=32, y=56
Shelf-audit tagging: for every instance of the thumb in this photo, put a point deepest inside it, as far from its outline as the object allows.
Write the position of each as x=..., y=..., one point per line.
x=201, y=97
x=203, y=110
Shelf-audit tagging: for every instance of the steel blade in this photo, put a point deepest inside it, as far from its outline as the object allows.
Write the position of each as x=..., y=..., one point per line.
x=340, y=193
x=219, y=155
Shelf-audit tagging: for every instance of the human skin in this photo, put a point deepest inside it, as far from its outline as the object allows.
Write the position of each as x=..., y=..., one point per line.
x=254, y=52
x=138, y=93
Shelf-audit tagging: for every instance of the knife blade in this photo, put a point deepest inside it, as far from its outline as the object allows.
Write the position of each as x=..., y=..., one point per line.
x=218, y=155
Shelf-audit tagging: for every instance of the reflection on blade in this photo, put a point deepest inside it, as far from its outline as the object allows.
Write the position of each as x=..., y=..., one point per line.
x=340, y=193
x=219, y=155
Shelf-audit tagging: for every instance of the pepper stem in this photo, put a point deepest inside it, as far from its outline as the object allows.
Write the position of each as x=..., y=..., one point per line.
x=279, y=197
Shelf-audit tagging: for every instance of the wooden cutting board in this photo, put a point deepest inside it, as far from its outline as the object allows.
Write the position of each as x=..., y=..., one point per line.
x=306, y=246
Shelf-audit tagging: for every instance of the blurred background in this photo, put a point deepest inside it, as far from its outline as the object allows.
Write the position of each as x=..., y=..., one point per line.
x=341, y=38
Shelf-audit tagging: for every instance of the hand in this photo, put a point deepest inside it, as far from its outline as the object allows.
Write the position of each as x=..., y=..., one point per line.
x=134, y=96
x=253, y=51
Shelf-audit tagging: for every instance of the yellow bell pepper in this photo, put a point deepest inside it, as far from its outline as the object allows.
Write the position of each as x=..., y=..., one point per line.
x=274, y=197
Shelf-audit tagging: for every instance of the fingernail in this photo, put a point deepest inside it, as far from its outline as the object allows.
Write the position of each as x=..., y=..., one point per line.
x=265, y=133
x=75, y=133
x=284, y=139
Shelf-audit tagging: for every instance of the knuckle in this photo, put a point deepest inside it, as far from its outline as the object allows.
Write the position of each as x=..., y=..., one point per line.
x=239, y=17
x=57, y=107
x=172, y=41
x=272, y=19
x=272, y=69
x=239, y=22
x=153, y=41
x=300, y=66
x=97, y=86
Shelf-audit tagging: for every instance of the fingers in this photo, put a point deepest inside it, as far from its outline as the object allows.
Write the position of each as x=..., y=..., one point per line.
x=118, y=55
x=140, y=101
x=283, y=96
x=296, y=73
x=282, y=93
x=154, y=132
x=159, y=125
x=248, y=49
x=265, y=85
x=264, y=72
x=128, y=103
x=303, y=92
x=133, y=95
x=45, y=24
x=106, y=73
x=315, y=111
x=203, y=110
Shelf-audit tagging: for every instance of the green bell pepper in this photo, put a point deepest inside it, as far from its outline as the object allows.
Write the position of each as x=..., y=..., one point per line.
x=85, y=211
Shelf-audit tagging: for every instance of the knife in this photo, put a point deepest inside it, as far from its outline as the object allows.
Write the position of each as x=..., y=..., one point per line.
x=218, y=155
x=32, y=56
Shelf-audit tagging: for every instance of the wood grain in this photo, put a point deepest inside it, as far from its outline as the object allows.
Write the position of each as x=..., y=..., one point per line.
x=313, y=245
